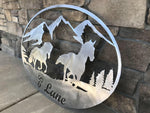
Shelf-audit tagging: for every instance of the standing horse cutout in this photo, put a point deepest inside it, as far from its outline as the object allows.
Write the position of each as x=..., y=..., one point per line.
x=76, y=62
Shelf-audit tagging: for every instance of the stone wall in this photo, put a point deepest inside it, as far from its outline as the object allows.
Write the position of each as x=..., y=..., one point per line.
x=129, y=21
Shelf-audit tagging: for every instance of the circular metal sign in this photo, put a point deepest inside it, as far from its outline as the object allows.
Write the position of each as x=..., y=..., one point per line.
x=71, y=77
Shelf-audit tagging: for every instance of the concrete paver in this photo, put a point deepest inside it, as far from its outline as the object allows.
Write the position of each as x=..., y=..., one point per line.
x=38, y=103
x=13, y=83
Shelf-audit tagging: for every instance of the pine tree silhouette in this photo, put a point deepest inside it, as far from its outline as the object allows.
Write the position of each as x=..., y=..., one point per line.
x=24, y=55
x=92, y=81
x=100, y=79
x=109, y=80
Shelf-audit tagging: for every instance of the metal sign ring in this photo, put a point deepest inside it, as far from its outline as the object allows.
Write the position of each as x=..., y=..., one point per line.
x=50, y=87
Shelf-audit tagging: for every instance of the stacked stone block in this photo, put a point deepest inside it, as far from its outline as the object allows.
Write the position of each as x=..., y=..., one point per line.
x=128, y=20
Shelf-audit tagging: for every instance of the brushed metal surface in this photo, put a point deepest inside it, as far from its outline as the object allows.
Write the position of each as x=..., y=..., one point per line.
x=70, y=90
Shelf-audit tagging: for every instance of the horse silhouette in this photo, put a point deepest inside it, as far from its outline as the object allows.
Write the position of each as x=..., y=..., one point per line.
x=41, y=55
x=76, y=62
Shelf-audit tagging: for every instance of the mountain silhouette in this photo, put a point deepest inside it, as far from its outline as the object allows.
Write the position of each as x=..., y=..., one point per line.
x=61, y=21
x=80, y=30
x=65, y=33
x=56, y=23
x=36, y=34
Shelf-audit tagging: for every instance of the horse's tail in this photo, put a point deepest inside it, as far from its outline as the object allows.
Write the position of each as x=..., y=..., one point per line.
x=48, y=55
